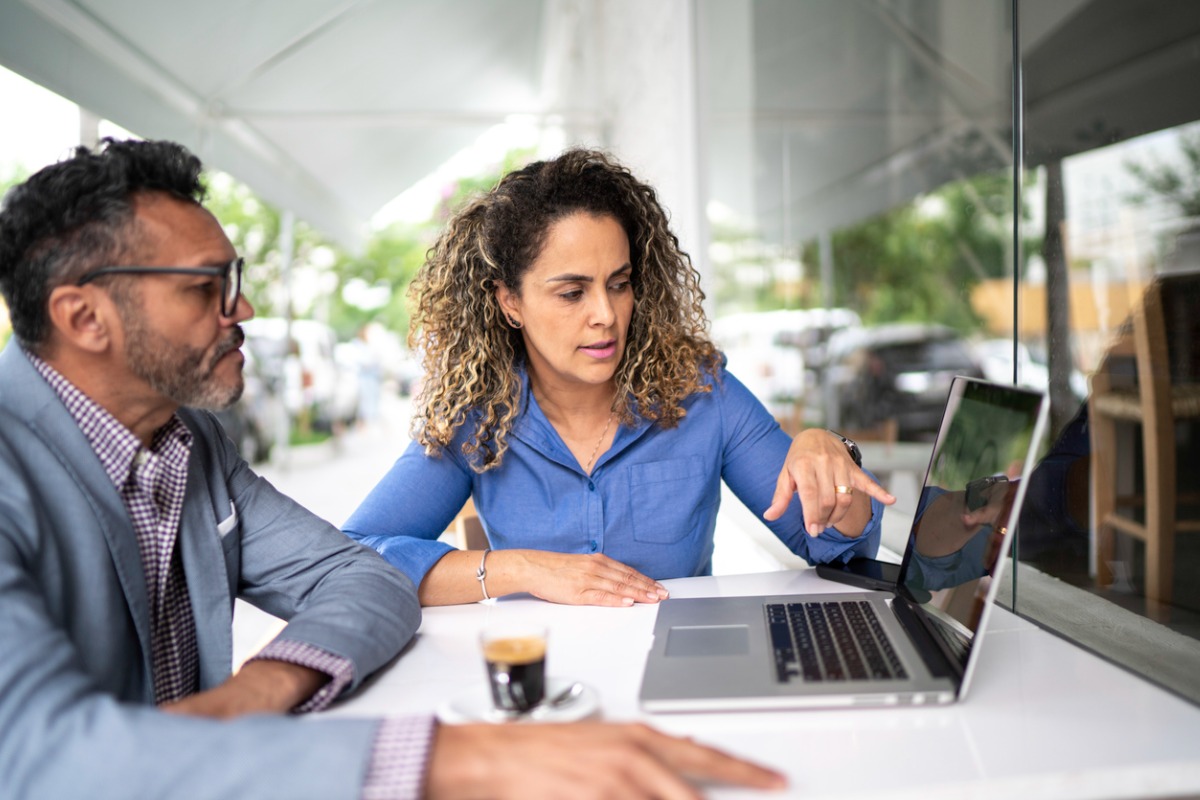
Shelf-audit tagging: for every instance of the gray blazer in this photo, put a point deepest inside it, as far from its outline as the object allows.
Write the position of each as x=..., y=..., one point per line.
x=76, y=694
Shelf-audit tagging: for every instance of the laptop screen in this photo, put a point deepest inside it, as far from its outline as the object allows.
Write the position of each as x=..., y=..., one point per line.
x=966, y=504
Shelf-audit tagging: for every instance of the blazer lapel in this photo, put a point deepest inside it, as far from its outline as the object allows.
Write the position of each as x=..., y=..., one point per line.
x=203, y=529
x=29, y=397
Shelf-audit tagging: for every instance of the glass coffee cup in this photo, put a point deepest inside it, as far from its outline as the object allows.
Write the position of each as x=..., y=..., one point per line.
x=516, y=666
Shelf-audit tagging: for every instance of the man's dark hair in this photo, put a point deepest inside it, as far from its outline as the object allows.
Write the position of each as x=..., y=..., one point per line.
x=77, y=215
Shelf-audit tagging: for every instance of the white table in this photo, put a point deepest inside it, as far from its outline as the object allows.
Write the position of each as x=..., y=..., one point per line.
x=1043, y=719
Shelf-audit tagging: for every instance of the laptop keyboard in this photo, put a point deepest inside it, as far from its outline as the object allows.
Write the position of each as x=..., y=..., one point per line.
x=831, y=641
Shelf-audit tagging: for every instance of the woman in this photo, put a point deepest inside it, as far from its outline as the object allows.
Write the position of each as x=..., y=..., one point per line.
x=570, y=389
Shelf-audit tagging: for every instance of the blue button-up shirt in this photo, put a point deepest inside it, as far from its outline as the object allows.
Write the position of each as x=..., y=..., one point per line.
x=651, y=501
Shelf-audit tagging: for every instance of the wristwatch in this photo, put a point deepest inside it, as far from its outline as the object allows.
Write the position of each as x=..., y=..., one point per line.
x=851, y=448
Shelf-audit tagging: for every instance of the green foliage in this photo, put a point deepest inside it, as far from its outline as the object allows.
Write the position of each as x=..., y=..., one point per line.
x=254, y=226
x=1180, y=186
x=917, y=262
x=393, y=255
x=16, y=175
x=746, y=282
x=389, y=260
x=468, y=188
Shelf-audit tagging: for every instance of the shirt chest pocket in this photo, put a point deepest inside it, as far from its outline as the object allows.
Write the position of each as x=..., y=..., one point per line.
x=669, y=499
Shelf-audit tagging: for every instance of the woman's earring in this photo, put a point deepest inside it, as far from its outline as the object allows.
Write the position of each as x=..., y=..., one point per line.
x=513, y=322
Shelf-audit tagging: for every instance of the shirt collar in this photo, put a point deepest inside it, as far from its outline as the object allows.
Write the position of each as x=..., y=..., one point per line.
x=114, y=444
x=532, y=427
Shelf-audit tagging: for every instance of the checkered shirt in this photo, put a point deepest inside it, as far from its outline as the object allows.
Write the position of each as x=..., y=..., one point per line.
x=151, y=483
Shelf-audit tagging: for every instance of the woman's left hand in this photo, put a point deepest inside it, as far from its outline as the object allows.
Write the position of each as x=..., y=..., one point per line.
x=817, y=465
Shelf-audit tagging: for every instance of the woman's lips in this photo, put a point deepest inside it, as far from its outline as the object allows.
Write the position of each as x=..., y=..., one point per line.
x=601, y=349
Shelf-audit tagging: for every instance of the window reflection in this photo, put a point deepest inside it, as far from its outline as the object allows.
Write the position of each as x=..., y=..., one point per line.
x=1112, y=134
x=859, y=164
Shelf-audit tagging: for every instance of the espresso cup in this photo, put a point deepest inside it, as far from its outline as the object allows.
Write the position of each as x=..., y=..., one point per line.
x=516, y=667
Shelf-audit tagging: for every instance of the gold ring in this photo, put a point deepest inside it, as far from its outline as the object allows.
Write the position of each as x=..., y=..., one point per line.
x=843, y=489
x=1002, y=530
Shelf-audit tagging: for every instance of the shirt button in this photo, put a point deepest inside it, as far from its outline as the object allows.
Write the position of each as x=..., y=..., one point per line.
x=591, y=486
x=594, y=546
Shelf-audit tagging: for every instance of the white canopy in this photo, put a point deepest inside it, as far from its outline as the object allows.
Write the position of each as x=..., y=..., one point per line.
x=328, y=107
x=811, y=113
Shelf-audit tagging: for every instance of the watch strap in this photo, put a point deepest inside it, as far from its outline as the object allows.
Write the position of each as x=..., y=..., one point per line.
x=851, y=448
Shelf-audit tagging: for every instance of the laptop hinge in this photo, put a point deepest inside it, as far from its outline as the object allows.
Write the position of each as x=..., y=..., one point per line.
x=937, y=655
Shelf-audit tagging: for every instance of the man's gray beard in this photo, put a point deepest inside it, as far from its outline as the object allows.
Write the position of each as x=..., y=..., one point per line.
x=180, y=372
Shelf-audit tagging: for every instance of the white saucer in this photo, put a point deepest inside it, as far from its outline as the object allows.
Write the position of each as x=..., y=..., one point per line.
x=476, y=706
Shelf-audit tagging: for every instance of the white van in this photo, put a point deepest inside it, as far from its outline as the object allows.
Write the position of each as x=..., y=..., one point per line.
x=770, y=351
x=308, y=372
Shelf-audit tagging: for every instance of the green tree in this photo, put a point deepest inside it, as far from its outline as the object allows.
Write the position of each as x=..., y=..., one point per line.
x=389, y=260
x=919, y=262
x=392, y=255
x=469, y=187
x=1178, y=185
x=254, y=227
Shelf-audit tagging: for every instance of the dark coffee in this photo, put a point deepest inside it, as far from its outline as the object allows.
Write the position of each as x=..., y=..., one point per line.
x=516, y=671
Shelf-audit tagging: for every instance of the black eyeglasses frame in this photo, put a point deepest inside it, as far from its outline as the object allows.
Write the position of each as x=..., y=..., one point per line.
x=229, y=299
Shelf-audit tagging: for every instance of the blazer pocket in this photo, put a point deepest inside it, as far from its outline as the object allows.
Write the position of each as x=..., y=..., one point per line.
x=668, y=499
x=225, y=526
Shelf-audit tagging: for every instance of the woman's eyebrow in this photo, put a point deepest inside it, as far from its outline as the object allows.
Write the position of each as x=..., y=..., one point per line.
x=567, y=277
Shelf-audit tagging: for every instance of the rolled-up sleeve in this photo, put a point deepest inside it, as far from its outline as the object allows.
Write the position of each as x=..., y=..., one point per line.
x=755, y=448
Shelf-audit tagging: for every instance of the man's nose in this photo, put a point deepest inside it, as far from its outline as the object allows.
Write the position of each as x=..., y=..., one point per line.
x=241, y=312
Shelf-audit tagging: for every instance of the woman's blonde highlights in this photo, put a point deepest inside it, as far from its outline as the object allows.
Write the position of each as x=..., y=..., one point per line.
x=469, y=350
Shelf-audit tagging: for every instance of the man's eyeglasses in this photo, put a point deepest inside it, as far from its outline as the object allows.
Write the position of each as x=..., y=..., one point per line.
x=230, y=274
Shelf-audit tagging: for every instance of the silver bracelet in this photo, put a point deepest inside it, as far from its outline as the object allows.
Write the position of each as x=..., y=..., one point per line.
x=481, y=574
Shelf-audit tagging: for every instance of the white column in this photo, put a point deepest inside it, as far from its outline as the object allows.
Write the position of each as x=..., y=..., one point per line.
x=622, y=75
x=89, y=128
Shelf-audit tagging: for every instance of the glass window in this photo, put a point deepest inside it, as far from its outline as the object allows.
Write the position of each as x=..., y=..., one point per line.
x=873, y=234
x=1111, y=302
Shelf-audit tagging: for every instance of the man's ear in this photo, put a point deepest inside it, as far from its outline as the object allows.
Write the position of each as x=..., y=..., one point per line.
x=83, y=317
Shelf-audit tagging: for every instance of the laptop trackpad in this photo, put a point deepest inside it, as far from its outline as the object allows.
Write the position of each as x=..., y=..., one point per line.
x=708, y=640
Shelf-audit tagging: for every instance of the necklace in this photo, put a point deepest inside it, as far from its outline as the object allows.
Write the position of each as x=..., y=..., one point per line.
x=603, y=433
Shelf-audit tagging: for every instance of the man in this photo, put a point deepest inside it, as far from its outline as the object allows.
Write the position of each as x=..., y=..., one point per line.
x=128, y=524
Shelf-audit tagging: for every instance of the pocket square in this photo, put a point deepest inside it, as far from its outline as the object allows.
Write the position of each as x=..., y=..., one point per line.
x=229, y=523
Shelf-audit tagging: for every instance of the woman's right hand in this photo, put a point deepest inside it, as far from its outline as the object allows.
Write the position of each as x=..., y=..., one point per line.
x=575, y=579
x=569, y=578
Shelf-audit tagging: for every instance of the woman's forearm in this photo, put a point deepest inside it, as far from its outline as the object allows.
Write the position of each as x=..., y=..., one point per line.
x=453, y=579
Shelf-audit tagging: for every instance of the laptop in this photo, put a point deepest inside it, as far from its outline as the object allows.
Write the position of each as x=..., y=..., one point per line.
x=917, y=644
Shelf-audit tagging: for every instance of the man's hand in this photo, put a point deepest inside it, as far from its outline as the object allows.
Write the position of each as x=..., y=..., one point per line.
x=259, y=687
x=587, y=761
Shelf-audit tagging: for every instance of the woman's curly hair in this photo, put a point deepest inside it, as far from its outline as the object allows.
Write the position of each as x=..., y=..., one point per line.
x=470, y=353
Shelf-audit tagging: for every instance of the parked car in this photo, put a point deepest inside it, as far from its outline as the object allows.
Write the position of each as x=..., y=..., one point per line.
x=900, y=372
x=769, y=351
x=347, y=395
x=312, y=381
x=996, y=359
x=253, y=421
